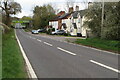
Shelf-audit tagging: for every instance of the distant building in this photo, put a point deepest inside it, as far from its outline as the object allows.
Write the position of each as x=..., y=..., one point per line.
x=71, y=22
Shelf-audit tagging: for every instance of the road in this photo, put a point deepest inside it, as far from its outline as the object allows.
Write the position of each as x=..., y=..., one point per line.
x=56, y=59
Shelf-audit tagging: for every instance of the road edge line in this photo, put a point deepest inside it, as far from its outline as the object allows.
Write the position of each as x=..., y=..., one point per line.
x=30, y=71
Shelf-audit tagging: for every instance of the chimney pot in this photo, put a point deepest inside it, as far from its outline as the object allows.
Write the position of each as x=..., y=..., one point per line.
x=77, y=8
x=70, y=9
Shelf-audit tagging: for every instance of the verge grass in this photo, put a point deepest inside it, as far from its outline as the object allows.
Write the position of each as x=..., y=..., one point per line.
x=109, y=45
x=12, y=61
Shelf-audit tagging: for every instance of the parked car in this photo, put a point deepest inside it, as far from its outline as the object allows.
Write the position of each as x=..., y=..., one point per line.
x=34, y=32
x=59, y=32
x=41, y=30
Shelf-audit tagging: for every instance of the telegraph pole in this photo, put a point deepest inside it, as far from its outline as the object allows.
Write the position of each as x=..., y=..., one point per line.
x=102, y=21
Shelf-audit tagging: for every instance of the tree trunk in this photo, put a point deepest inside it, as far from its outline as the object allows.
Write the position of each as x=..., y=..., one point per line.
x=8, y=20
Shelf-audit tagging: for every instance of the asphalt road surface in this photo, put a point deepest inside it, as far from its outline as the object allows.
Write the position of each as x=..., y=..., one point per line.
x=55, y=59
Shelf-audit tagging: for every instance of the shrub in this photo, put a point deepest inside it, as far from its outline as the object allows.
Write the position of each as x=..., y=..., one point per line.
x=53, y=29
x=49, y=31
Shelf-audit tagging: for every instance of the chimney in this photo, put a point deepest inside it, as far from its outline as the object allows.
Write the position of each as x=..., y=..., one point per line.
x=77, y=8
x=70, y=9
x=90, y=4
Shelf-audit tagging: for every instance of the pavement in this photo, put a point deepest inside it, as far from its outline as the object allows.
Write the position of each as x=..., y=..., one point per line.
x=55, y=58
x=58, y=37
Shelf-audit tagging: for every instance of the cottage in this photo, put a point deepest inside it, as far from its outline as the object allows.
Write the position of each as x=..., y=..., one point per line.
x=71, y=22
x=84, y=28
x=54, y=23
x=66, y=22
x=57, y=21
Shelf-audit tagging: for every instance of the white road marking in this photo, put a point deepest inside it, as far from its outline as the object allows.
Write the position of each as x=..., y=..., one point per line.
x=66, y=51
x=48, y=44
x=105, y=66
x=30, y=70
x=39, y=40
x=87, y=47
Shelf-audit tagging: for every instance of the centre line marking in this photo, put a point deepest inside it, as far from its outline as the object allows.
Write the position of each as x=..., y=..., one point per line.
x=39, y=40
x=105, y=66
x=66, y=51
x=48, y=44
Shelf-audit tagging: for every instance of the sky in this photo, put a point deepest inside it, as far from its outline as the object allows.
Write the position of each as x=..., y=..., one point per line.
x=28, y=5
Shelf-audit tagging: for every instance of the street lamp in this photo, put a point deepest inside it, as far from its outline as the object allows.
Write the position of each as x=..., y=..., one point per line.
x=102, y=21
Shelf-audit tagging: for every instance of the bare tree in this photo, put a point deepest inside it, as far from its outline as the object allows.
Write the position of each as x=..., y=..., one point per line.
x=9, y=7
x=55, y=7
x=85, y=3
x=69, y=3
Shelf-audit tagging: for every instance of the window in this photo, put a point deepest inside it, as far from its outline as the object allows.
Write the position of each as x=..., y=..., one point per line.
x=64, y=25
x=74, y=25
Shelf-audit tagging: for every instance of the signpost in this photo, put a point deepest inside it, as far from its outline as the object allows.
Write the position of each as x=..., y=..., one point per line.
x=102, y=22
x=20, y=23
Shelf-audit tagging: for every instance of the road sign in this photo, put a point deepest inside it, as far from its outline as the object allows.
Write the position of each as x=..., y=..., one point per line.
x=20, y=21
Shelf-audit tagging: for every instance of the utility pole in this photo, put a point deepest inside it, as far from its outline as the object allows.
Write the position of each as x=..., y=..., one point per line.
x=102, y=21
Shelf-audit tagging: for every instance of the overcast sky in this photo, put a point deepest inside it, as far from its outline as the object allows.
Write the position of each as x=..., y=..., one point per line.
x=28, y=5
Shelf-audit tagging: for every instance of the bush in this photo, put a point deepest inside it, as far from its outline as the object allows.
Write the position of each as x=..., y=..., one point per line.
x=66, y=34
x=49, y=31
x=112, y=33
x=53, y=29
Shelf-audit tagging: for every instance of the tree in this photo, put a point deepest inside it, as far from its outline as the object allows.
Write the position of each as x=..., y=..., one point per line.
x=42, y=15
x=9, y=8
x=112, y=21
x=111, y=25
x=26, y=18
x=93, y=15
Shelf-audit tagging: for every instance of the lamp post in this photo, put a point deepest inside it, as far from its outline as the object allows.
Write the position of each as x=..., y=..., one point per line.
x=102, y=21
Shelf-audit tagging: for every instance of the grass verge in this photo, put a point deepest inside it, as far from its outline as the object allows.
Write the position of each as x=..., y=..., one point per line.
x=12, y=61
x=109, y=45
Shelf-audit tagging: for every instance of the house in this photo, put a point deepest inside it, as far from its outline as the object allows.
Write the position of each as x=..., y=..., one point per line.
x=56, y=22
x=77, y=23
x=75, y=27
x=85, y=31
x=71, y=22
x=66, y=22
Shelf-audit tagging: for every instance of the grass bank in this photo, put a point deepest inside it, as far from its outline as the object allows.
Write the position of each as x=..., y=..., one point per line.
x=12, y=61
x=109, y=45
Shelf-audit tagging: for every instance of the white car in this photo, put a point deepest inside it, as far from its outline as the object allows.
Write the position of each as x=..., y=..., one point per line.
x=34, y=32
x=59, y=32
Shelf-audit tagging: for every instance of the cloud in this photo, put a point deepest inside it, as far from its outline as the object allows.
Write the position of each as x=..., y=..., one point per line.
x=24, y=13
x=28, y=5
